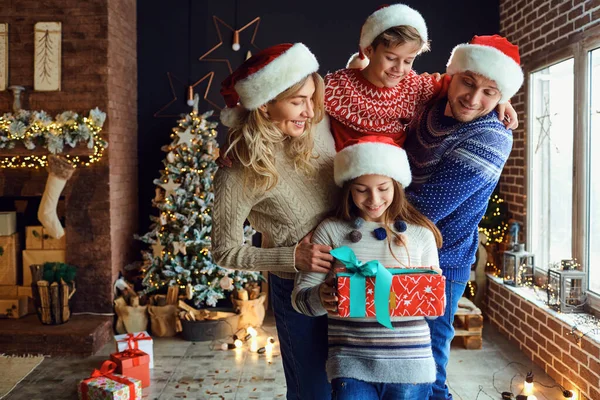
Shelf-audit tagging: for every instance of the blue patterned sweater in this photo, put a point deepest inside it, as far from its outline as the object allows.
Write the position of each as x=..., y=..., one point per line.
x=455, y=168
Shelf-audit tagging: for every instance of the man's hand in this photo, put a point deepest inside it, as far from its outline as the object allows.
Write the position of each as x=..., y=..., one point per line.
x=508, y=115
x=328, y=295
x=312, y=257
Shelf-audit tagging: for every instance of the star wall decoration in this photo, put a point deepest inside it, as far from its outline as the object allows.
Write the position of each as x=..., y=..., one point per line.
x=181, y=88
x=170, y=187
x=545, y=125
x=219, y=22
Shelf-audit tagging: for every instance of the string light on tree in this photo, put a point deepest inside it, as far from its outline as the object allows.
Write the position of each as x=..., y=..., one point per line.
x=180, y=235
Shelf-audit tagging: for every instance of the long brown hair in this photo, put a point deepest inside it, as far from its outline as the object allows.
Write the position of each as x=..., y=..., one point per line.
x=399, y=209
x=255, y=138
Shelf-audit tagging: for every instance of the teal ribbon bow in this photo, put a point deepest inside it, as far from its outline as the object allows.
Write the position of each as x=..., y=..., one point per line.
x=358, y=272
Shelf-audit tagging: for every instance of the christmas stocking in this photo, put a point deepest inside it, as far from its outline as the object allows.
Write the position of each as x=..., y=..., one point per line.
x=59, y=170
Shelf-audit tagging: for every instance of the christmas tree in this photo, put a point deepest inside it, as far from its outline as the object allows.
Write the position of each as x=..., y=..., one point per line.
x=180, y=235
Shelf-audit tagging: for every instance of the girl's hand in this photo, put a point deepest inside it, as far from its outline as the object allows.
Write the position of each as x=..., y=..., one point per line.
x=328, y=295
x=508, y=115
x=312, y=257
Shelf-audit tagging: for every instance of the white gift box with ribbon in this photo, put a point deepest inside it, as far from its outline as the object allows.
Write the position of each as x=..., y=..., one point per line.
x=144, y=343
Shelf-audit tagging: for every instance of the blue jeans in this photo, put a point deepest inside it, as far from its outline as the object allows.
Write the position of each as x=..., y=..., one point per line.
x=303, y=344
x=353, y=389
x=442, y=333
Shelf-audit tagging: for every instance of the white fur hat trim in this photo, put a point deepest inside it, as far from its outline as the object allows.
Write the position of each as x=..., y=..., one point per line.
x=389, y=17
x=280, y=74
x=371, y=158
x=489, y=62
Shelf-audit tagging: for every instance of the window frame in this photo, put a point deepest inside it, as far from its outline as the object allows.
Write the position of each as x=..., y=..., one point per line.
x=578, y=47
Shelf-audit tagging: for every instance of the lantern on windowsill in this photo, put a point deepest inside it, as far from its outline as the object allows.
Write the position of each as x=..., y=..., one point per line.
x=566, y=291
x=518, y=266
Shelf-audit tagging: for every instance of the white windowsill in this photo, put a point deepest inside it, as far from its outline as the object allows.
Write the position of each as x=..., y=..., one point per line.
x=530, y=295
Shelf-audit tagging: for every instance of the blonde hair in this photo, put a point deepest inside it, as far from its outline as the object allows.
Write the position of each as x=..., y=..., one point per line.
x=254, y=140
x=399, y=209
x=399, y=35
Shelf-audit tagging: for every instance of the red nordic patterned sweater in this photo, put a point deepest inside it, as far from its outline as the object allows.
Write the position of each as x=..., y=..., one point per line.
x=358, y=108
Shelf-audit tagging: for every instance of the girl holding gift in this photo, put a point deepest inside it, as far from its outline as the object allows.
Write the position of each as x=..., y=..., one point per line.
x=367, y=360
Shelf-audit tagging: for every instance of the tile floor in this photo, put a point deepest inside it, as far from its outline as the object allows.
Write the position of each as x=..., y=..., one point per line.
x=186, y=370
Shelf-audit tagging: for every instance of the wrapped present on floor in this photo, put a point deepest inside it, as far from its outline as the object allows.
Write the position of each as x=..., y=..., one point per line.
x=9, y=249
x=133, y=363
x=13, y=306
x=371, y=290
x=8, y=223
x=137, y=340
x=104, y=384
x=36, y=238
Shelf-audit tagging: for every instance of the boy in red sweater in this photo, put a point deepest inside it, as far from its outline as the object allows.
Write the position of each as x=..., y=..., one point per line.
x=379, y=92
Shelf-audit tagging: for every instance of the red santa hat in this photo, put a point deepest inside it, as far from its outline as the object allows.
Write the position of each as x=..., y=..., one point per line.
x=493, y=57
x=384, y=18
x=371, y=155
x=264, y=76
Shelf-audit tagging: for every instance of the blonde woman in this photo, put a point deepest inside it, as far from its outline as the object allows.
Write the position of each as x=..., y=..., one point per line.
x=281, y=180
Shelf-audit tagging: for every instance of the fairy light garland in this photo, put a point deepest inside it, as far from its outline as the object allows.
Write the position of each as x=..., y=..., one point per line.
x=36, y=129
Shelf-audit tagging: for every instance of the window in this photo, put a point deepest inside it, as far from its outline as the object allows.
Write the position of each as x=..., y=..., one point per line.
x=550, y=211
x=563, y=194
x=593, y=259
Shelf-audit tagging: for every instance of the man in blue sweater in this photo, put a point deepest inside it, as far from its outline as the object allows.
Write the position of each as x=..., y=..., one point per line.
x=457, y=148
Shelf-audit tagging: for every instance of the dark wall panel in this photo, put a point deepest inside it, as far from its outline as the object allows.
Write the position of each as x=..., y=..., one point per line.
x=172, y=35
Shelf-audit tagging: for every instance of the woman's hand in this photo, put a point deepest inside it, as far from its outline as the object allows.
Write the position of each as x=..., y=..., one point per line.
x=508, y=115
x=312, y=257
x=328, y=295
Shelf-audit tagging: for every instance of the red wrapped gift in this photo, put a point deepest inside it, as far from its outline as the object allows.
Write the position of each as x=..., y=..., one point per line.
x=103, y=384
x=133, y=363
x=411, y=295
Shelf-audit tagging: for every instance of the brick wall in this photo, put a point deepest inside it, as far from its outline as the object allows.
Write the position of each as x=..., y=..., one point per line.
x=122, y=108
x=541, y=28
x=98, y=70
x=538, y=27
x=545, y=340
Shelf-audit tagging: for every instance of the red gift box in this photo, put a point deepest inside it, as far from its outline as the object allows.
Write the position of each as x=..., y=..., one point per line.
x=133, y=363
x=411, y=295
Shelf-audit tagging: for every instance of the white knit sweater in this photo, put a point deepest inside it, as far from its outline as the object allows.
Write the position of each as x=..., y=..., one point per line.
x=284, y=215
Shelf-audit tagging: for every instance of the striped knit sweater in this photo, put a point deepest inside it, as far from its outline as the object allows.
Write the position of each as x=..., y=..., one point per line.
x=358, y=108
x=284, y=215
x=455, y=168
x=361, y=348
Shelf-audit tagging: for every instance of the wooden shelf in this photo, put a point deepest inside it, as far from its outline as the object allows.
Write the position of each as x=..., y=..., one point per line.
x=22, y=151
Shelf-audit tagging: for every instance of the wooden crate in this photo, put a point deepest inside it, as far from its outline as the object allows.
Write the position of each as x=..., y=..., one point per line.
x=468, y=325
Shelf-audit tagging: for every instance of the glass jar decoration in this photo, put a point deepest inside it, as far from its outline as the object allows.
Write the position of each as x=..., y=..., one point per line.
x=518, y=266
x=566, y=291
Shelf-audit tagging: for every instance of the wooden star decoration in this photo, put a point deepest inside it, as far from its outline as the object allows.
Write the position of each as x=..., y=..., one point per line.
x=208, y=78
x=545, y=125
x=218, y=21
x=157, y=249
x=170, y=187
x=179, y=247
x=185, y=137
